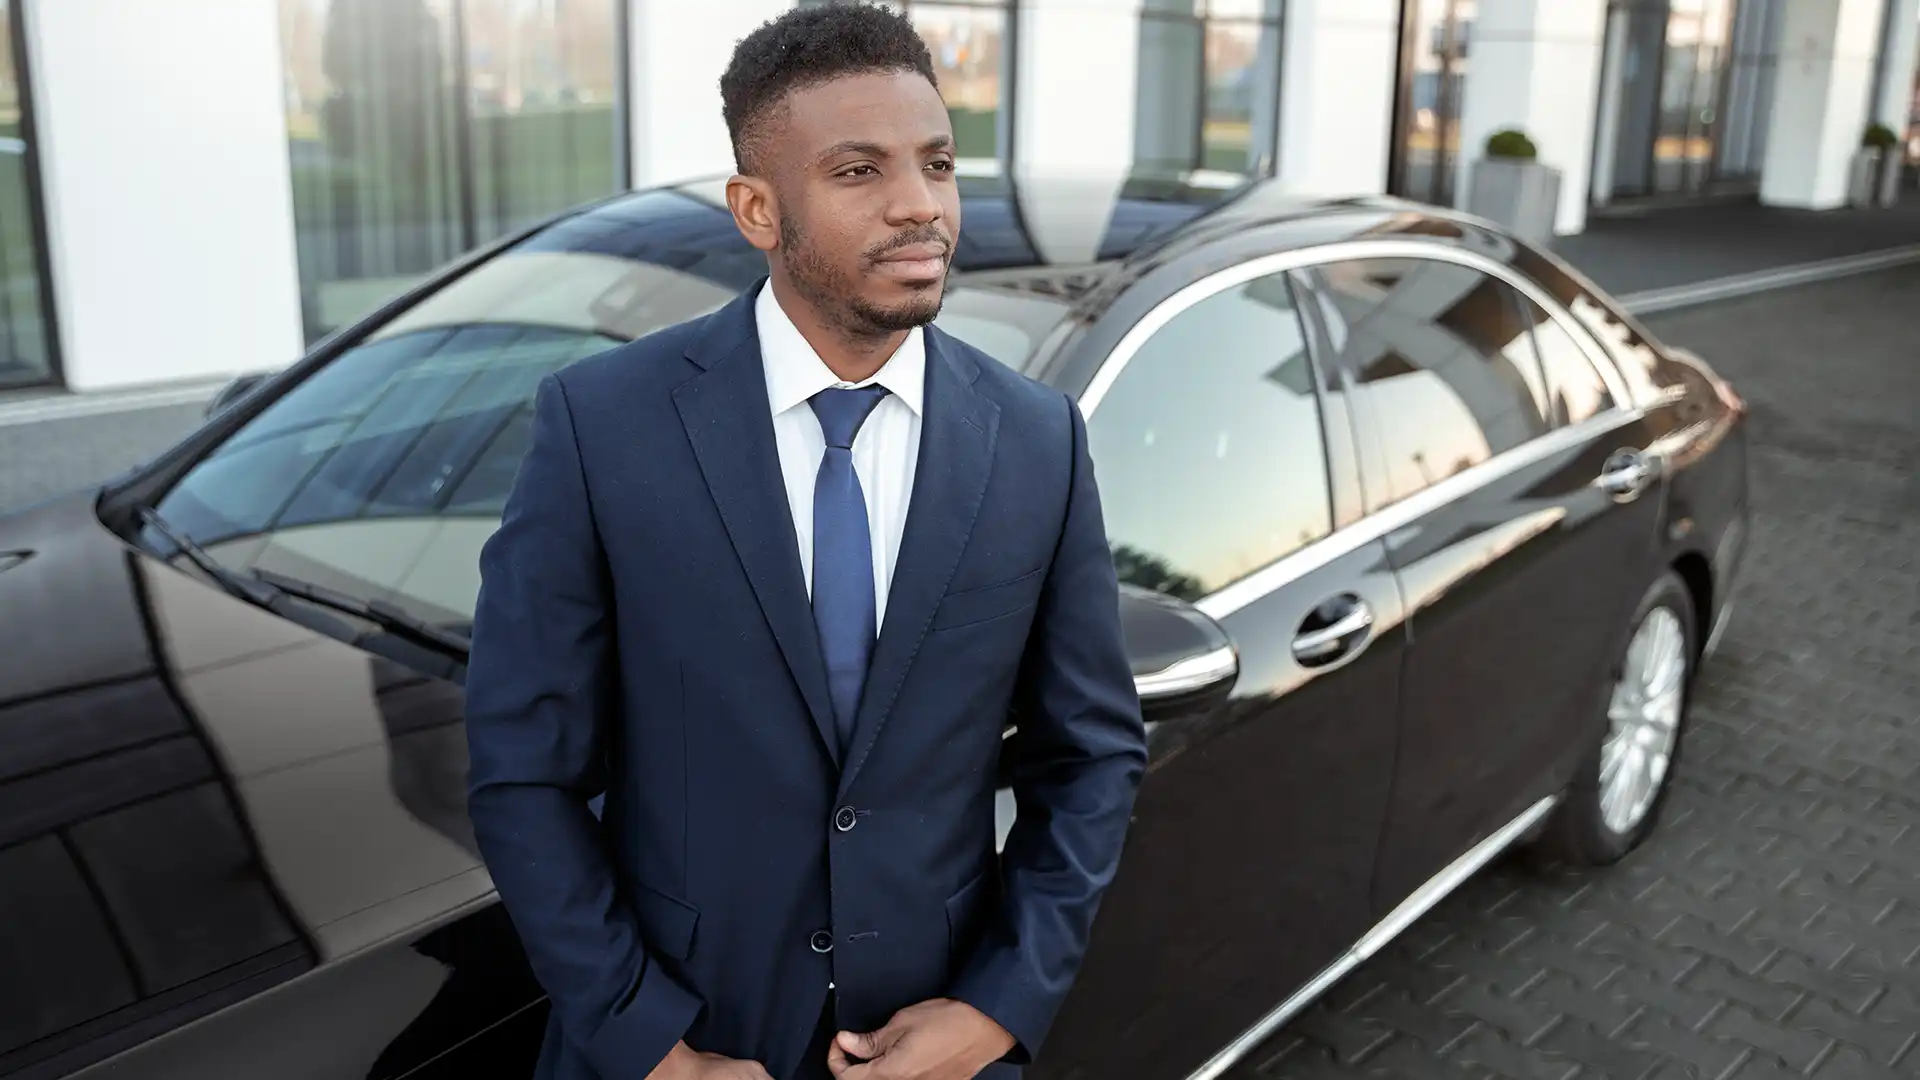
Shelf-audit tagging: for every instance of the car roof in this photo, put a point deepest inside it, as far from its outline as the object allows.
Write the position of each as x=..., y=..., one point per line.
x=1062, y=234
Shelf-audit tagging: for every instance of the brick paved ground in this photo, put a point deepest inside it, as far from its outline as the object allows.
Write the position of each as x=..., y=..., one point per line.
x=1771, y=928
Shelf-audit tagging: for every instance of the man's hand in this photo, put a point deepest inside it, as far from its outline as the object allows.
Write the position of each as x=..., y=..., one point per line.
x=685, y=1063
x=940, y=1039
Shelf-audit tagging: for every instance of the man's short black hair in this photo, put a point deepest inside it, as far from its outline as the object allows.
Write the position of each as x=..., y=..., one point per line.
x=806, y=46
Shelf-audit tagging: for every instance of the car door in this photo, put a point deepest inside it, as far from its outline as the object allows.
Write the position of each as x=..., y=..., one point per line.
x=1522, y=511
x=1247, y=865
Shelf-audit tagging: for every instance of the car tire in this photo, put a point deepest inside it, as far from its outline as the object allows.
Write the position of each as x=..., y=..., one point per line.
x=1587, y=829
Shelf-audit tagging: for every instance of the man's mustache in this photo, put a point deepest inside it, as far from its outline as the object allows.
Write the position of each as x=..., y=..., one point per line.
x=929, y=235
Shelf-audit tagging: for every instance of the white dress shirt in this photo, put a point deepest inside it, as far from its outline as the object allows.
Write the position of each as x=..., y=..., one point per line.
x=885, y=451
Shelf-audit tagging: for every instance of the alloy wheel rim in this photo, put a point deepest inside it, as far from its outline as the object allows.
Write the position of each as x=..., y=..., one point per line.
x=1643, y=720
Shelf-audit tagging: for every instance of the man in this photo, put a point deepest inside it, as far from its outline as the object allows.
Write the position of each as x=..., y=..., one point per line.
x=773, y=581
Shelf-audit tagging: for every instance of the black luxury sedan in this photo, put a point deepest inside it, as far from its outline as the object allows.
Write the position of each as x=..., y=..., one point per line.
x=1424, y=539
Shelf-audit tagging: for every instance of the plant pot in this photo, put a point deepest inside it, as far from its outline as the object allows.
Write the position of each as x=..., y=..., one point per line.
x=1519, y=195
x=1863, y=177
x=1892, y=167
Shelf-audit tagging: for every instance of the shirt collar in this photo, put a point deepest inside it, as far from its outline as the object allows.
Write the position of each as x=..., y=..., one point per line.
x=795, y=372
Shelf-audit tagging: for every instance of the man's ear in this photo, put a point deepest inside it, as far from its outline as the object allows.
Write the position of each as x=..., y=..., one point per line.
x=756, y=212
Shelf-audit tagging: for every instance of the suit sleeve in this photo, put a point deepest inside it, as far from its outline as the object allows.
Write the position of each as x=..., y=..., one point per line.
x=1082, y=755
x=539, y=699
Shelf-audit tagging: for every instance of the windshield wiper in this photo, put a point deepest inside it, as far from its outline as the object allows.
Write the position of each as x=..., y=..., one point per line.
x=265, y=588
x=245, y=586
x=383, y=614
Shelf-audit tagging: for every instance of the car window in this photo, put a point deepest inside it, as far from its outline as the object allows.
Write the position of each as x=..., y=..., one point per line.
x=1574, y=390
x=382, y=474
x=1609, y=329
x=1446, y=361
x=1208, y=445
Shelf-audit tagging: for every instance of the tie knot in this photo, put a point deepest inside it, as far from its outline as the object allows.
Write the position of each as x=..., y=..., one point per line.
x=841, y=412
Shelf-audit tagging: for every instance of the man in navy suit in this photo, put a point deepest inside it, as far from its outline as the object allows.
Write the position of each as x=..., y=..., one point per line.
x=773, y=582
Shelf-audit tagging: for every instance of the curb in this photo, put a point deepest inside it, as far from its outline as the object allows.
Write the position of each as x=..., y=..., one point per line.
x=106, y=402
x=1728, y=288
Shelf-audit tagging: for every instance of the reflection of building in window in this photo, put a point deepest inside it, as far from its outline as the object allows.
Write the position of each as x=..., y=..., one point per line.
x=1209, y=85
x=1211, y=467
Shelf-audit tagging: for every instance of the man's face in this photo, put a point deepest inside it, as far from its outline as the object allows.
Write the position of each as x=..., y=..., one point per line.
x=869, y=210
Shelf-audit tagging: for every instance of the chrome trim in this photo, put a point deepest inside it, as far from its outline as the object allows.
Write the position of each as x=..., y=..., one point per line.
x=1325, y=641
x=1302, y=258
x=1189, y=674
x=1419, y=903
x=1373, y=526
x=1712, y=647
x=1344, y=541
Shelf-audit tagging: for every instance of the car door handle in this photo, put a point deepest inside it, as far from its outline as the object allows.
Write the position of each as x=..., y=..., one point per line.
x=1317, y=646
x=1626, y=474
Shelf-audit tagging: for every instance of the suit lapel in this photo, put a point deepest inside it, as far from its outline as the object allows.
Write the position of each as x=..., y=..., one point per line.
x=725, y=412
x=956, y=456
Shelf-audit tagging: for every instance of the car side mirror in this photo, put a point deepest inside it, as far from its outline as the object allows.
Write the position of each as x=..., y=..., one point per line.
x=1184, y=663
x=233, y=391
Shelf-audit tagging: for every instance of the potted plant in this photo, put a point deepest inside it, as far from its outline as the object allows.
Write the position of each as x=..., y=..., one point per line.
x=1875, y=177
x=1510, y=186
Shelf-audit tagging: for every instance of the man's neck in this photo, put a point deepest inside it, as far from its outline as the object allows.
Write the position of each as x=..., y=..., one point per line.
x=852, y=357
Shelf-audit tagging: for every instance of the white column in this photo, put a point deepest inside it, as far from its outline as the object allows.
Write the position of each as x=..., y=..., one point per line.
x=169, y=202
x=1336, y=95
x=1903, y=51
x=677, y=52
x=1535, y=65
x=1073, y=118
x=1827, y=49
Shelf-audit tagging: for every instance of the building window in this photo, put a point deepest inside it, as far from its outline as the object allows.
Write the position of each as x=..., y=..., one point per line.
x=969, y=40
x=26, y=337
x=1434, y=36
x=1209, y=86
x=421, y=129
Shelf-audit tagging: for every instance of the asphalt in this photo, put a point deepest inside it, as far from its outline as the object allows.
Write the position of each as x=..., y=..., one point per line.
x=1771, y=927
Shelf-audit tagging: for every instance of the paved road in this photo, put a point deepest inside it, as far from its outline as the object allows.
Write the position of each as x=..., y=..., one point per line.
x=50, y=457
x=1771, y=928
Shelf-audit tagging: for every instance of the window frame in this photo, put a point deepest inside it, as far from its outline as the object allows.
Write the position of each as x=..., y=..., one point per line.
x=1333, y=471
x=1202, y=21
x=48, y=313
x=1373, y=521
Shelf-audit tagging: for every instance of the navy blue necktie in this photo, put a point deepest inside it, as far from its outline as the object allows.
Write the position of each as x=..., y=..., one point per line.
x=843, y=602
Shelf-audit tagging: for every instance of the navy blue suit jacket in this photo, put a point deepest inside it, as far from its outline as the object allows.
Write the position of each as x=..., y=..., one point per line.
x=643, y=631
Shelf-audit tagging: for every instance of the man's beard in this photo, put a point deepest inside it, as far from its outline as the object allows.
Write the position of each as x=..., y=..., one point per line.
x=831, y=293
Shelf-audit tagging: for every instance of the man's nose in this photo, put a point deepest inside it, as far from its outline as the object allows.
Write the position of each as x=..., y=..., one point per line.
x=913, y=201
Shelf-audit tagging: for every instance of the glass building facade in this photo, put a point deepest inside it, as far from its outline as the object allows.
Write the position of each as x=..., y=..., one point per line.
x=1208, y=87
x=421, y=129
x=27, y=347
x=1687, y=111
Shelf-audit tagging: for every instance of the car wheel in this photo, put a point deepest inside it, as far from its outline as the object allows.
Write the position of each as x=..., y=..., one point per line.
x=1617, y=794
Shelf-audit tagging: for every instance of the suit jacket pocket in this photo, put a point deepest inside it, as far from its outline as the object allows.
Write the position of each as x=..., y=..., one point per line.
x=989, y=601
x=666, y=923
x=967, y=911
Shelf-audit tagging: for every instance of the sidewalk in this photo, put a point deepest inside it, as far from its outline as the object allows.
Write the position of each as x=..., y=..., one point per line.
x=1652, y=257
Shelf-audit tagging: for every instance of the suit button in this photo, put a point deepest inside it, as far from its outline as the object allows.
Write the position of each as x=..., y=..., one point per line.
x=822, y=941
x=844, y=819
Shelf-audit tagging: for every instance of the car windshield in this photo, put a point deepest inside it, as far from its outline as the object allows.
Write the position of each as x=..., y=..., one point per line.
x=381, y=474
